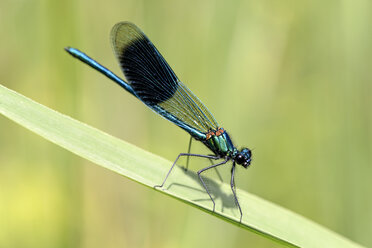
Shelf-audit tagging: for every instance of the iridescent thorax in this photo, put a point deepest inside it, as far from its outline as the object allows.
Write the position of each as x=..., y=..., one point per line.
x=219, y=142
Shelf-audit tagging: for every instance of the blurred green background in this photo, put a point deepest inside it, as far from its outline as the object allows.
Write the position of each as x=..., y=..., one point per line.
x=290, y=79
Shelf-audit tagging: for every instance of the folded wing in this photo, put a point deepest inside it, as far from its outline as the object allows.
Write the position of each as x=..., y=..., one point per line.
x=155, y=83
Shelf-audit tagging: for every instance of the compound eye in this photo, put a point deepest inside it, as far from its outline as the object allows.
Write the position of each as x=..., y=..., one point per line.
x=240, y=159
x=247, y=152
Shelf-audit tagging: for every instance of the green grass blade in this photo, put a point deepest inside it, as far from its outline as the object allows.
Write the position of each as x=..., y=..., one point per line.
x=260, y=216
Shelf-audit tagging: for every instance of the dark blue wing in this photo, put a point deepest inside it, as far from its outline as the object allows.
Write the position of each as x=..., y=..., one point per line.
x=155, y=83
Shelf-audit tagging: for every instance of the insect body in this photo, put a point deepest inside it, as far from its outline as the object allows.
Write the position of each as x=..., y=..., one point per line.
x=151, y=80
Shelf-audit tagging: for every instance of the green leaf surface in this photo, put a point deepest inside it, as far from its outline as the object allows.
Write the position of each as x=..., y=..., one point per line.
x=259, y=215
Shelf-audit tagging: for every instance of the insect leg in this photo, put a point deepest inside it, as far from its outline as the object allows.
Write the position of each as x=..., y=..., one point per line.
x=218, y=173
x=188, y=157
x=201, y=179
x=232, y=184
x=180, y=155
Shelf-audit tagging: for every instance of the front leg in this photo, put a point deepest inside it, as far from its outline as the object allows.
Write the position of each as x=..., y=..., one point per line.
x=201, y=179
x=232, y=184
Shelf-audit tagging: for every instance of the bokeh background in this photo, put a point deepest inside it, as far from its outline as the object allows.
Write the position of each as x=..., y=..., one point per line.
x=290, y=79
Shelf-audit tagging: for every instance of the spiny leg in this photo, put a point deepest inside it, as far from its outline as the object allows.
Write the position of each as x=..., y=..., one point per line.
x=180, y=155
x=218, y=173
x=201, y=179
x=232, y=184
x=233, y=178
x=188, y=157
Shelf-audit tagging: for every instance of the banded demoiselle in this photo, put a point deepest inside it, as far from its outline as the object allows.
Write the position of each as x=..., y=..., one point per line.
x=151, y=80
